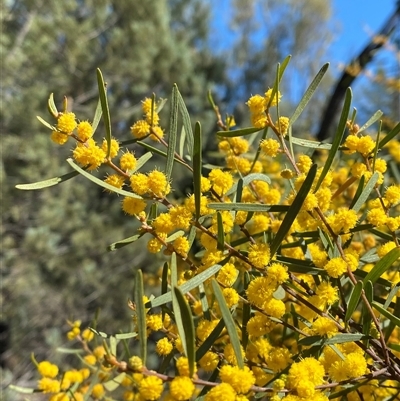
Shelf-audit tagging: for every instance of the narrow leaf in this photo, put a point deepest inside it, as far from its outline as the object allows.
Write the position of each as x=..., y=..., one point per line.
x=46, y=124
x=383, y=265
x=377, y=115
x=366, y=192
x=47, y=183
x=120, y=244
x=294, y=210
x=248, y=179
x=220, y=233
x=186, y=287
x=52, y=106
x=100, y=182
x=210, y=340
x=229, y=323
x=389, y=136
x=353, y=300
x=125, y=336
x=184, y=314
x=358, y=193
x=97, y=116
x=197, y=165
x=154, y=150
x=105, y=109
x=238, y=132
x=366, y=316
x=22, y=390
x=186, y=123
x=311, y=144
x=309, y=93
x=141, y=315
x=394, y=319
x=338, y=137
x=173, y=132
x=248, y=207
x=115, y=382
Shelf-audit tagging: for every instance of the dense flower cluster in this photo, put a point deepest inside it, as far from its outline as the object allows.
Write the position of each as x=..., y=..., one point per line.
x=289, y=334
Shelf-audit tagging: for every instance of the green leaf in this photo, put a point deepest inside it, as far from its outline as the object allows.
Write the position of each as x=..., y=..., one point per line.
x=105, y=110
x=113, y=345
x=197, y=165
x=246, y=315
x=353, y=300
x=115, y=382
x=238, y=132
x=52, y=106
x=394, y=319
x=184, y=322
x=47, y=183
x=338, y=137
x=23, y=390
x=338, y=339
x=220, y=233
x=311, y=144
x=377, y=115
x=100, y=182
x=248, y=179
x=358, y=193
x=172, y=132
x=229, y=323
x=366, y=192
x=120, y=244
x=366, y=316
x=155, y=150
x=239, y=191
x=141, y=315
x=125, y=336
x=210, y=340
x=97, y=116
x=294, y=210
x=186, y=123
x=309, y=93
x=383, y=265
x=46, y=124
x=204, y=303
x=248, y=207
x=186, y=287
x=63, y=350
x=389, y=136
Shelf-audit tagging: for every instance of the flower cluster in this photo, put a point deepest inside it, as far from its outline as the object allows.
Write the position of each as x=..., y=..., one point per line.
x=283, y=259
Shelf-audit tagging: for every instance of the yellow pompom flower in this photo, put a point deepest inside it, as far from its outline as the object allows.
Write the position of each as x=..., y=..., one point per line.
x=146, y=105
x=275, y=100
x=154, y=245
x=209, y=361
x=326, y=292
x=380, y=165
x=324, y=326
x=164, y=347
x=98, y=391
x=270, y=147
x=158, y=184
x=205, y=327
x=377, y=217
x=274, y=307
x=87, y=335
x=163, y=223
x=115, y=180
x=228, y=274
x=114, y=147
x=66, y=122
x=385, y=248
x=303, y=376
x=223, y=391
x=48, y=385
x=392, y=194
x=365, y=145
x=48, y=369
x=181, y=246
x=259, y=120
x=140, y=129
x=157, y=133
x=283, y=125
x=240, y=379
x=84, y=130
x=89, y=154
x=259, y=325
x=151, y=388
x=139, y=183
x=256, y=104
x=59, y=137
x=182, y=364
x=353, y=366
x=277, y=273
x=231, y=296
x=133, y=206
x=304, y=163
x=221, y=181
x=352, y=142
x=181, y=388
x=259, y=255
x=127, y=161
x=260, y=289
x=336, y=267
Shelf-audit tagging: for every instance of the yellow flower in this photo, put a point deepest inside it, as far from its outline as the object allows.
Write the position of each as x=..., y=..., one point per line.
x=127, y=161
x=392, y=194
x=365, y=145
x=115, y=180
x=336, y=267
x=259, y=255
x=377, y=217
x=282, y=124
x=304, y=163
x=158, y=183
x=221, y=181
x=48, y=369
x=164, y=347
x=66, y=122
x=48, y=385
x=59, y=137
x=181, y=388
x=209, y=361
x=324, y=326
x=133, y=206
x=275, y=100
x=150, y=388
x=270, y=147
x=240, y=379
x=84, y=130
x=140, y=129
x=139, y=183
x=256, y=104
x=223, y=391
x=114, y=147
x=228, y=274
